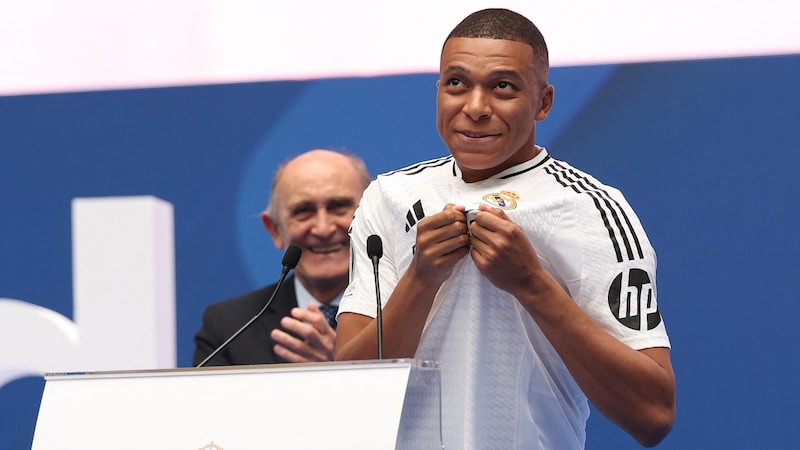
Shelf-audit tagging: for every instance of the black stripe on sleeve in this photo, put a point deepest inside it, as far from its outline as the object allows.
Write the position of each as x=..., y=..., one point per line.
x=616, y=221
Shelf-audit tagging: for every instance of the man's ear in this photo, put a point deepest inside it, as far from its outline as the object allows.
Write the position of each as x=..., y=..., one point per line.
x=546, y=102
x=274, y=230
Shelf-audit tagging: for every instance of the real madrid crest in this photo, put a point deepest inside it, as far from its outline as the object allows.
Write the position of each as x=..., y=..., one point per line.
x=503, y=199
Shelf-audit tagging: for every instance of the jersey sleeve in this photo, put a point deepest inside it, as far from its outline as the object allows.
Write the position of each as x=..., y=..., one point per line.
x=370, y=218
x=601, y=252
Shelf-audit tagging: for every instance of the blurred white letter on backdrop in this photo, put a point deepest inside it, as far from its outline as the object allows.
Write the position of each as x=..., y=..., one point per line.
x=123, y=295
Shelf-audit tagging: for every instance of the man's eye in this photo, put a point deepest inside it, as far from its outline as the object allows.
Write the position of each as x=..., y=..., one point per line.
x=454, y=82
x=340, y=210
x=302, y=214
x=341, y=207
x=505, y=85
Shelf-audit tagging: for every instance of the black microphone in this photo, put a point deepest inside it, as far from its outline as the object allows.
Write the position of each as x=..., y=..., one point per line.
x=375, y=252
x=290, y=260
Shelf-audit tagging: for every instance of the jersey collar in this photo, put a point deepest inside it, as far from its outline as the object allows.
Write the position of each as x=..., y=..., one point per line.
x=521, y=168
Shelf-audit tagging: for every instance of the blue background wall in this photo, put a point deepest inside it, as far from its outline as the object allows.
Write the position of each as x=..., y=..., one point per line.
x=706, y=152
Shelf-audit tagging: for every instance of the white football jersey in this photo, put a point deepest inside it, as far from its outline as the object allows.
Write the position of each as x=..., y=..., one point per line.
x=503, y=385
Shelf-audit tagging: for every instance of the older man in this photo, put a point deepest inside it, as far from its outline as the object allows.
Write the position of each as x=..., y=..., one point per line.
x=311, y=205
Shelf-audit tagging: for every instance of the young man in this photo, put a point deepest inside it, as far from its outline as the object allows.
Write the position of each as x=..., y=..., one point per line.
x=546, y=298
x=311, y=205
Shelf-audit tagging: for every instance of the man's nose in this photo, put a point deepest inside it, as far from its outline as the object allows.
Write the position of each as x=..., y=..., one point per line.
x=324, y=223
x=477, y=105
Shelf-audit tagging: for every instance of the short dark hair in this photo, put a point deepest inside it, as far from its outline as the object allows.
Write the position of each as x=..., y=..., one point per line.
x=499, y=23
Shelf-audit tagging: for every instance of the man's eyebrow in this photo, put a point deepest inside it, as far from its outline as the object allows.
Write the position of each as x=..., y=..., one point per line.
x=333, y=202
x=506, y=74
x=339, y=201
x=301, y=206
x=501, y=73
x=455, y=68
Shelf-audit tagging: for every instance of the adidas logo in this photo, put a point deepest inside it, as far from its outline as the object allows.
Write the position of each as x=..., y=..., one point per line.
x=414, y=215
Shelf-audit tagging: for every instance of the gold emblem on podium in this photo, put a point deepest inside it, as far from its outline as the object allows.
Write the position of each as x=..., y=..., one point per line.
x=211, y=446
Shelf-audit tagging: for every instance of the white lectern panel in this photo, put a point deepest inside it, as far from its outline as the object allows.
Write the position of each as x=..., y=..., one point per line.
x=341, y=405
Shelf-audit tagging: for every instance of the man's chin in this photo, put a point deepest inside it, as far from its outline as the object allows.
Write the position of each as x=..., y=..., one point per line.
x=324, y=267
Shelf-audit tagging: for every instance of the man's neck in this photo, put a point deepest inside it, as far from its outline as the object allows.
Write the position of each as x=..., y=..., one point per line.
x=324, y=293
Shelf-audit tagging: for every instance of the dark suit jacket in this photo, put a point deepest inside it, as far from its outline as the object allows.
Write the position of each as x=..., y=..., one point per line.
x=254, y=346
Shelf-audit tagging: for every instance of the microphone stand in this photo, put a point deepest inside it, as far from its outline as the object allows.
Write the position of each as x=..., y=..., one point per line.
x=290, y=260
x=379, y=314
x=375, y=252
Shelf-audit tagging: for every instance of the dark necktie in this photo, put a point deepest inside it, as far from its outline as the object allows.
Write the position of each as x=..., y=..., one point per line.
x=330, y=313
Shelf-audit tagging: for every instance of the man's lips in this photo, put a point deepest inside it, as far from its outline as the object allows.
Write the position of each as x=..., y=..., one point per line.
x=475, y=134
x=328, y=248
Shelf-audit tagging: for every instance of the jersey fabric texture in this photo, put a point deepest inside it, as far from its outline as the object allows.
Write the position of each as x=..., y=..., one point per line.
x=503, y=384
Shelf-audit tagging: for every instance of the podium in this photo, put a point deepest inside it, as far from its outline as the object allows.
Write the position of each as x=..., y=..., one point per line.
x=379, y=404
